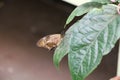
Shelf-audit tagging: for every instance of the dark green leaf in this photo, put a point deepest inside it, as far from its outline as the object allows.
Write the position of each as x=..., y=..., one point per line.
x=82, y=9
x=117, y=0
x=61, y=50
x=102, y=1
x=88, y=40
x=92, y=37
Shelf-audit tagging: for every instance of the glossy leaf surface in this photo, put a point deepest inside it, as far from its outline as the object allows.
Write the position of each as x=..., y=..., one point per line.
x=88, y=40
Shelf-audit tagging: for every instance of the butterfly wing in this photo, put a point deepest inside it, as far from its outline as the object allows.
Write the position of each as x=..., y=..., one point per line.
x=50, y=41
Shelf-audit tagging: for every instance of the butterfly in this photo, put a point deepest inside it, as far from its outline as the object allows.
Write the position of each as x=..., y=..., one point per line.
x=50, y=41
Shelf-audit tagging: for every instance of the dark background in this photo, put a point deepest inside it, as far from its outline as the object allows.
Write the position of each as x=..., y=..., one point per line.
x=22, y=23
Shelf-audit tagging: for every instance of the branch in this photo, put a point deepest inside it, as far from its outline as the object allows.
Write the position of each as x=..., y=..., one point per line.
x=118, y=64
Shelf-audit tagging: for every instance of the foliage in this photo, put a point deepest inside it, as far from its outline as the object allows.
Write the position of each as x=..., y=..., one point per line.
x=90, y=38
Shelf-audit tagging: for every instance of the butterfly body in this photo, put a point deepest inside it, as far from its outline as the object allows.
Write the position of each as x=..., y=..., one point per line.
x=50, y=41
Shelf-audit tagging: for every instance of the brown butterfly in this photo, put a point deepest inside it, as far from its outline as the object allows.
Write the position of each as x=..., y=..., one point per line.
x=50, y=41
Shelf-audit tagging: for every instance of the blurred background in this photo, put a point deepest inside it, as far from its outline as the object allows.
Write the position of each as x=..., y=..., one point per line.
x=22, y=24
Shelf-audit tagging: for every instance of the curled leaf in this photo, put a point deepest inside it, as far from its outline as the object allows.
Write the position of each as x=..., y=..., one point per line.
x=82, y=9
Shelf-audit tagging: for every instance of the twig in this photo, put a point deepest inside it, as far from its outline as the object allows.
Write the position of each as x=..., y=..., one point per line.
x=118, y=64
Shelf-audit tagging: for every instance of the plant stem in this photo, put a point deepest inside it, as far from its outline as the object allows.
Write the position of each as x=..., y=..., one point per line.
x=118, y=64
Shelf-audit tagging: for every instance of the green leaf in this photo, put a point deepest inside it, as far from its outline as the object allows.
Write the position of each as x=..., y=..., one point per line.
x=92, y=37
x=88, y=40
x=102, y=1
x=117, y=0
x=61, y=50
x=82, y=9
